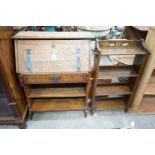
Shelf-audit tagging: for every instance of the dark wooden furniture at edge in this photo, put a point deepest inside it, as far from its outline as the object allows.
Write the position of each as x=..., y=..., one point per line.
x=13, y=106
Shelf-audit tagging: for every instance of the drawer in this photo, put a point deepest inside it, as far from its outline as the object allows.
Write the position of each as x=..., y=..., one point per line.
x=54, y=78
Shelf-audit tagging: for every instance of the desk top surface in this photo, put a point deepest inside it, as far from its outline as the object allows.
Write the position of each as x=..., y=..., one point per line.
x=53, y=35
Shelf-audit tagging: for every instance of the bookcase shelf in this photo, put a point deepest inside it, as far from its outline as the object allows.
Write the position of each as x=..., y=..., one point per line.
x=113, y=90
x=150, y=90
x=117, y=72
x=109, y=104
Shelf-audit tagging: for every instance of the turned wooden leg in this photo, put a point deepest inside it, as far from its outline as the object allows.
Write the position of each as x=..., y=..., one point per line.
x=85, y=113
x=22, y=125
x=92, y=111
x=30, y=115
x=126, y=110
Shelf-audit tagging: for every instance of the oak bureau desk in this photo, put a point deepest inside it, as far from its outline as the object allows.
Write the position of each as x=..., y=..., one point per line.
x=54, y=69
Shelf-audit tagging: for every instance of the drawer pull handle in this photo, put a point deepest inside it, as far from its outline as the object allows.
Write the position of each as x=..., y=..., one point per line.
x=55, y=78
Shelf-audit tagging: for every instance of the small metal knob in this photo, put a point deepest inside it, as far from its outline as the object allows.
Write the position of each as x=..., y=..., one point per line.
x=55, y=78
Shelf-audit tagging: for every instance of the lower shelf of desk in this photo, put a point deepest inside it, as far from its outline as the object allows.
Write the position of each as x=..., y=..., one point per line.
x=40, y=105
x=57, y=92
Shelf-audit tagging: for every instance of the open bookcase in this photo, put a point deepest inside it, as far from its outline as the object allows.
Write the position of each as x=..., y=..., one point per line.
x=117, y=69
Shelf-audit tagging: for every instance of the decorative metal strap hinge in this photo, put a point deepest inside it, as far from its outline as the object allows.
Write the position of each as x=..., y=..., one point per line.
x=28, y=60
x=78, y=60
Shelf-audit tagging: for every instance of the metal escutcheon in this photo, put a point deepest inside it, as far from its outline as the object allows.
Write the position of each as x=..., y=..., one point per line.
x=55, y=78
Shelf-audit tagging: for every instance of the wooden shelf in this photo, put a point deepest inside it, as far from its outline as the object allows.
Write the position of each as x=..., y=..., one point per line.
x=112, y=90
x=41, y=105
x=117, y=72
x=150, y=90
x=105, y=80
x=147, y=105
x=148, y=99
x=57, y=92
x=109, y=104
x=152, y=78
x=113, y=80
x=123, y=51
